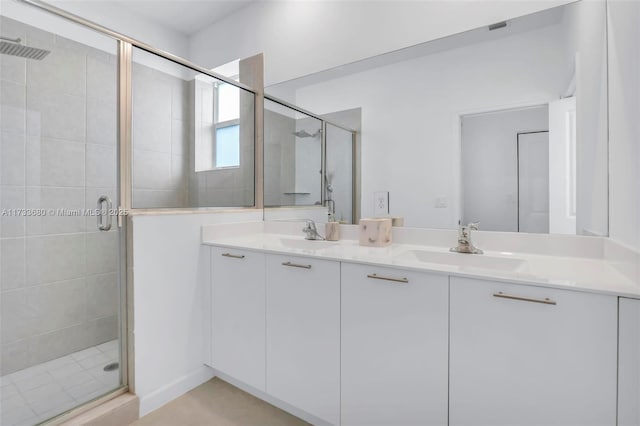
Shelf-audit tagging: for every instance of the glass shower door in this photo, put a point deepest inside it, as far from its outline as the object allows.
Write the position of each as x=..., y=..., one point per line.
x=61, y=261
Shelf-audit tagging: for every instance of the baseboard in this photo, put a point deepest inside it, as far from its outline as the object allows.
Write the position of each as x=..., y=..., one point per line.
x=271, y=400
x=168, y=393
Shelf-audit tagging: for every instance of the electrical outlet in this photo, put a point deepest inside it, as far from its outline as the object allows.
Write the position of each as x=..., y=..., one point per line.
x=441, y=203
x=381, y=203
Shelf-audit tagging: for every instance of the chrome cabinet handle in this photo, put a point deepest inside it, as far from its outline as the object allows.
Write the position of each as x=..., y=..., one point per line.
x=295, y=265
x=234, y=256
x=102, y=224
x=545, y=301
x=395, y=280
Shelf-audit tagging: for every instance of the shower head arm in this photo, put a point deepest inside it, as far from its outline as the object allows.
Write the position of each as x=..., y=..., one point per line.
x=12, y=40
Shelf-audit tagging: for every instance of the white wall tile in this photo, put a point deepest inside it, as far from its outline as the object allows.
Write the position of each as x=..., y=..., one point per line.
x=101, y=166
x=151, y=170
x=12, y=68
x=53, y=162
x=12, y=107
x=59, y=115
x=103, y=295
x=63, y=70
x=106, y=329
x=157, y=198
x=12, y=158
x=60, y=304
x=71, y=199
x=13, y=224
x=12, y=262
x=101, y=122
x=18, y=316
x=15, y=356
x=55, y=258
x=58, y=343
x=179, y=137
x=102, y=77
x=101, y=252
x=180, y=99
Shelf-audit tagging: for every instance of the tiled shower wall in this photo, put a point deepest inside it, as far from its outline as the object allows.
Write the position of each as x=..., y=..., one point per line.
x=279, y=159
x=58, y=282
x=163, y=139
x=160, y=133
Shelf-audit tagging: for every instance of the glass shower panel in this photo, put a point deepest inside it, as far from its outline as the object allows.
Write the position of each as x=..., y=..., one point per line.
x=60, y=275
x=339, y=173
x=192, y=138
x=292, y=157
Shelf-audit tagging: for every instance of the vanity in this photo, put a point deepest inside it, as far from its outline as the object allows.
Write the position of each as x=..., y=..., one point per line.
x=412, y=334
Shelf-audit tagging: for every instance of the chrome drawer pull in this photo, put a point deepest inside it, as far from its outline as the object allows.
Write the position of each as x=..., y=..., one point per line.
x=395, y=280
x=295, y=265
x=234, y=256
x=545, y=301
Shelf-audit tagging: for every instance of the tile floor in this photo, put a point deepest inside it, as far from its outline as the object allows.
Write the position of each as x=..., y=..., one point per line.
x=218, y=403
x=35, y=394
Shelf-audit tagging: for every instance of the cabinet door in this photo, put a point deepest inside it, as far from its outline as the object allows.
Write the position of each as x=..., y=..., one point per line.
x=238, y=340
x=629, y=363
x=523, y=355
x=303, y=334
x=394, y=347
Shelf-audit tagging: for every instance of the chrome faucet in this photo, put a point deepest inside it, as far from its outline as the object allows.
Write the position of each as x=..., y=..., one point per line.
x=464, y=239
x=311, y=231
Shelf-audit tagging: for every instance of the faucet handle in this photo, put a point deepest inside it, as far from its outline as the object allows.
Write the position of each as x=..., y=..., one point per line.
x=474, y=225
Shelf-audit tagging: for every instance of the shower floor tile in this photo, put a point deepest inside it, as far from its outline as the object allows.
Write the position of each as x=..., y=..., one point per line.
x=35, y=394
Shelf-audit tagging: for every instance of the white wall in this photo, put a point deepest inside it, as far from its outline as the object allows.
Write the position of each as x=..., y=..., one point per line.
x=624, y=130
x=170, y=275
x=125, y=21
x=299, y=38
x=410, y=115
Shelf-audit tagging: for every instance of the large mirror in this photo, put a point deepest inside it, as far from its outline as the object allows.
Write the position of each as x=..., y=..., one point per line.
x=504, y=125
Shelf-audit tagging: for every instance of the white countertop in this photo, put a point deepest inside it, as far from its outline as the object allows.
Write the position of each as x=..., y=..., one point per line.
x=568, y=272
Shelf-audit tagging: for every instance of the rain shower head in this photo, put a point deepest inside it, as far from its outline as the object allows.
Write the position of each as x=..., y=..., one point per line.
x=305, y=134
x=9, y=46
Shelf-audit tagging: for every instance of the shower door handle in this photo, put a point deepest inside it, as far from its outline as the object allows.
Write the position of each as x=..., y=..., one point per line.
x=104, y=225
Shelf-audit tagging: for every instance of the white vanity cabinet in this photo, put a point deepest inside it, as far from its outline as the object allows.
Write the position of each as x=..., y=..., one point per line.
x=394, y=346
x=629, y=363
x=238, y=314
x=303, y=334
x=524, y=355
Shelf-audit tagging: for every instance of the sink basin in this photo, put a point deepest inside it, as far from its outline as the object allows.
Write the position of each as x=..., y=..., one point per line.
x=464, y=261
x=302, y=244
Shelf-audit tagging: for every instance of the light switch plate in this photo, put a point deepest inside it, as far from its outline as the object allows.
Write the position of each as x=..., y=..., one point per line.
x=381, y=203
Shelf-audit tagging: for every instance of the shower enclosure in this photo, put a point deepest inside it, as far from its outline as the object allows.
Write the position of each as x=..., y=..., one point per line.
x=61, y=250
x=94, y=126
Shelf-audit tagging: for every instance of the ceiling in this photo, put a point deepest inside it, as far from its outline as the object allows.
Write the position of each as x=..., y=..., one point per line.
x=185, y=16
